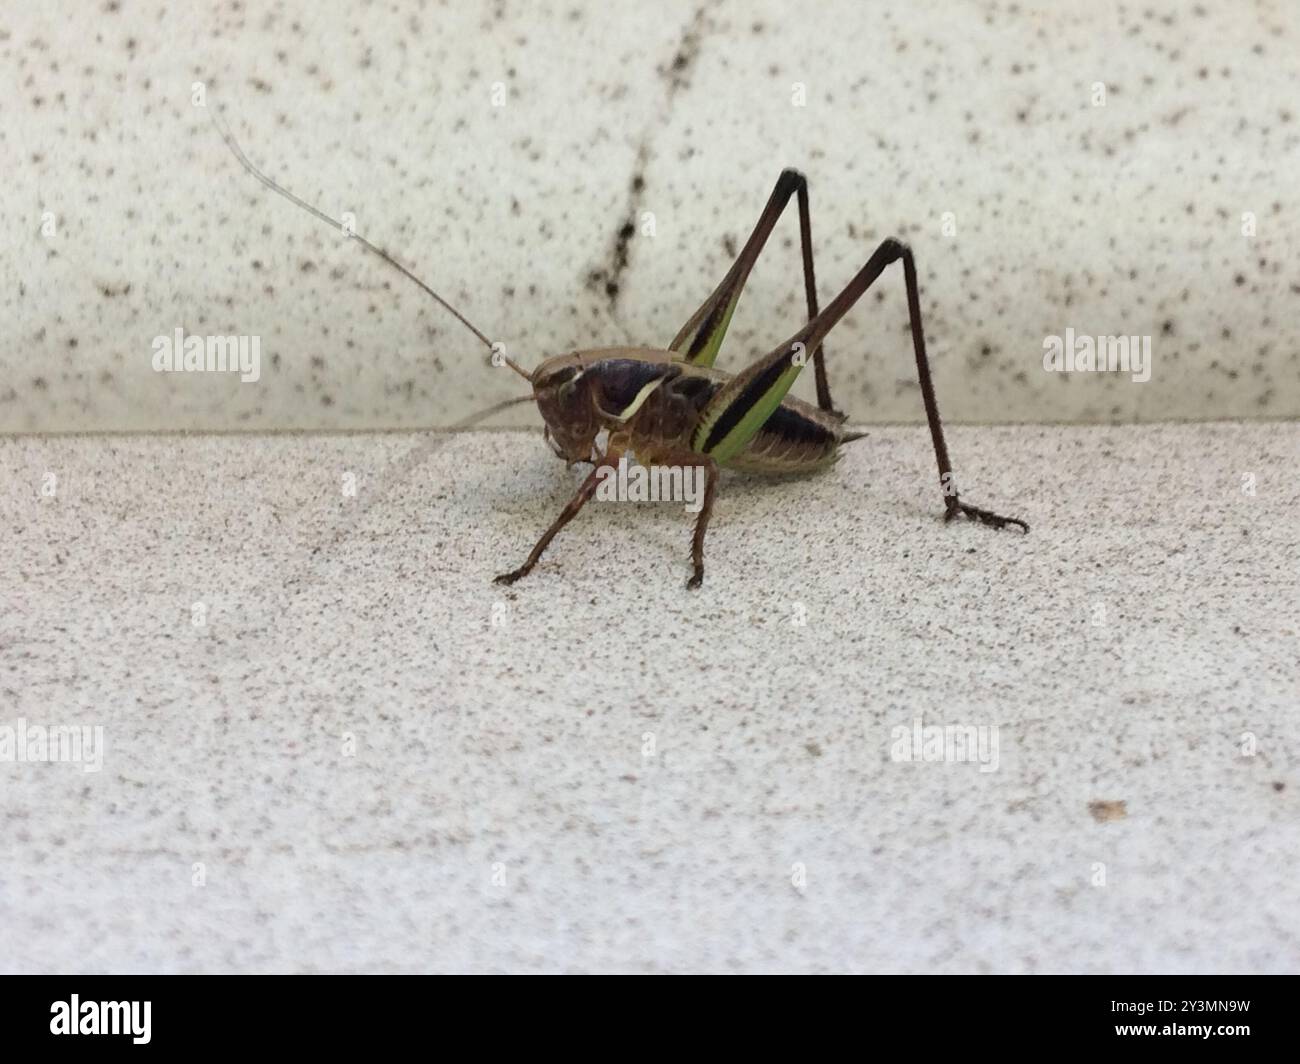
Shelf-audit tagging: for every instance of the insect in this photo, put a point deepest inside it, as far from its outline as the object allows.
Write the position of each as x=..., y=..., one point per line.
x=671, y=406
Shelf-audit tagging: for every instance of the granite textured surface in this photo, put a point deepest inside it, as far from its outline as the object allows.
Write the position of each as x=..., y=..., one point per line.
x=578, y=175
x=331, y=743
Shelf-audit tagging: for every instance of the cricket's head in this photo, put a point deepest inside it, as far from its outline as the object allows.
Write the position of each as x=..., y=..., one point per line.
x=580, y=394
x=562, y=389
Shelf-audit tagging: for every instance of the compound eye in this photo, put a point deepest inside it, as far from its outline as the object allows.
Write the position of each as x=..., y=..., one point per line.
x=569, y=386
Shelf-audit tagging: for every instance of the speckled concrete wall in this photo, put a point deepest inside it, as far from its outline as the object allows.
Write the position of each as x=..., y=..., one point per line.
x=1107, y=169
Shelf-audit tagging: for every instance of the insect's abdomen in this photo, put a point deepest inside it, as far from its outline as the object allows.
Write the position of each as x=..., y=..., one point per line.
x=797, y=438
x=657, y=406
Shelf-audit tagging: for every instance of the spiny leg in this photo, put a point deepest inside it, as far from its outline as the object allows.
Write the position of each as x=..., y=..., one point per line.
x=584, y=493
x=702, y=522
x=700, y=338
x=675, y=458
x=739, y=409
x=953, y=505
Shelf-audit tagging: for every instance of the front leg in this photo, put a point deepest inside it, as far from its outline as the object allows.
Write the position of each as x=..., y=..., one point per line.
x=588, y=489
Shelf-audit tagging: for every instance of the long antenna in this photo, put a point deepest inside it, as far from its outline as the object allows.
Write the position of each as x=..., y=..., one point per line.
x=474, y=419
x=233, y=145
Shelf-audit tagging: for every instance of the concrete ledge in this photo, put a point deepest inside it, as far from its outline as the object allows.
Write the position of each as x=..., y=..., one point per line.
x=371, y=758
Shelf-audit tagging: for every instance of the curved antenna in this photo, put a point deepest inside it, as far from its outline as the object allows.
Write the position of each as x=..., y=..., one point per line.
x=474, y=419
x=224, y=130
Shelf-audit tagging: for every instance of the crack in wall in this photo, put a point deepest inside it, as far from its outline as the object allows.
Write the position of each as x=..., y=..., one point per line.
x=607, y=279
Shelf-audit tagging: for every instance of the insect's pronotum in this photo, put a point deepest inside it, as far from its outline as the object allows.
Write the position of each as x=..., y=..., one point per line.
x=670, y=406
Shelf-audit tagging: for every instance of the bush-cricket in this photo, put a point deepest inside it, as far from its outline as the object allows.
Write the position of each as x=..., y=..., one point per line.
x=672, y=406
